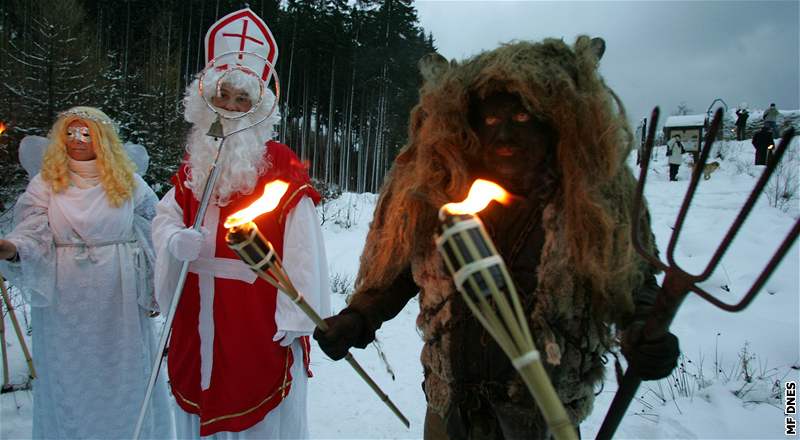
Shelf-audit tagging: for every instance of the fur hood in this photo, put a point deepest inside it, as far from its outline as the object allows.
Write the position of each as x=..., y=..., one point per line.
x=588, y=271
x=559, y=84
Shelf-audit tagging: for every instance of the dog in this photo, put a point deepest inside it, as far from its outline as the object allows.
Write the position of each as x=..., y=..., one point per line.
x=709, y=168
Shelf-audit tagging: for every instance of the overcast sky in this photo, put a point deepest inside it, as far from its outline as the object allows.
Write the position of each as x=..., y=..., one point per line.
x=658, y=52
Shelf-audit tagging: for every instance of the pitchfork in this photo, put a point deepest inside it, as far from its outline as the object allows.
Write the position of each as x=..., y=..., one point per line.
x=677, y=282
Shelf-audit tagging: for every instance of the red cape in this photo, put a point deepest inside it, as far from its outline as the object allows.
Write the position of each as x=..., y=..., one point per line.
x=250, y=374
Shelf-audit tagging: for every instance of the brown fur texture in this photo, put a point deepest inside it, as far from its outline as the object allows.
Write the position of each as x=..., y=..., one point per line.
x=587, y=272
x=556, y=82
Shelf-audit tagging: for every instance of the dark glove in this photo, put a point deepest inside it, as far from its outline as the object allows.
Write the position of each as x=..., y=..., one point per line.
x=650, y=358
x=344, y=331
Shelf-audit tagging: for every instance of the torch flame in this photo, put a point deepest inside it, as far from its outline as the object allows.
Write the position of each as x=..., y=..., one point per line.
x=273, y=191
x=480, y=194
x=2, y=127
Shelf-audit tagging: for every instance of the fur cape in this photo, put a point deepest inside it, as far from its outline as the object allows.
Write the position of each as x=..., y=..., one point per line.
x=588, y=270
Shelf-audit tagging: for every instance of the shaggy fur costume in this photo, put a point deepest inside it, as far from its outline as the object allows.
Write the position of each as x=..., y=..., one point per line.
x=588, y=273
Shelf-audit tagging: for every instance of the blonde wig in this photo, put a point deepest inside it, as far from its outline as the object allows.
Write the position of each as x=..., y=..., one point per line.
x=115, y=167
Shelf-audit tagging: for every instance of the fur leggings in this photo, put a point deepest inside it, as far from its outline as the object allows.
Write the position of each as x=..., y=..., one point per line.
x=492, y=421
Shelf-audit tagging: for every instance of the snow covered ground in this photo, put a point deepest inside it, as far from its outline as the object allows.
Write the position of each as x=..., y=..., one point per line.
x=708, y=398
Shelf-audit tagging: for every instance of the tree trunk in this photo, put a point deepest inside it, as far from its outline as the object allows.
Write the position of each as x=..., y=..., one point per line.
x=286, y=110
x=331, y=130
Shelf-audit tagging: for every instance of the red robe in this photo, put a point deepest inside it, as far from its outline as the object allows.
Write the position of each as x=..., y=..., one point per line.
x=250, y=374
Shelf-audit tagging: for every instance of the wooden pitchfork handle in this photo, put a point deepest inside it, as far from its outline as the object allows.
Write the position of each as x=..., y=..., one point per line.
x=677, y=282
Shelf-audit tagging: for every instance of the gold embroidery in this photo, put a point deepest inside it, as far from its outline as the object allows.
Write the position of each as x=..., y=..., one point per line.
x=286, y=383
x=294, y=194
x=186, y=400
x=181, y=182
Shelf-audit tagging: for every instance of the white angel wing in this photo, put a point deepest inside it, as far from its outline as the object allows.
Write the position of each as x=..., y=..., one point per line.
x=31, y=150
x=139, y=156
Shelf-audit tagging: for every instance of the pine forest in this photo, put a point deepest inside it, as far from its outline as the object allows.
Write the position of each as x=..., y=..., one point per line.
x=347, y=70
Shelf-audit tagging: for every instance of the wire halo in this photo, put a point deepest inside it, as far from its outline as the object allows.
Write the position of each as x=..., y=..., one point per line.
x=262, y=86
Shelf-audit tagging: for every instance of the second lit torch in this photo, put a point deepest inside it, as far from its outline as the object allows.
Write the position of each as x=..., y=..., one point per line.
x=480, y=274
x=256, y=251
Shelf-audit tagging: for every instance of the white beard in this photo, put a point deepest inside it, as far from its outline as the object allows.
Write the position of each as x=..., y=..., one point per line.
x=243, y=159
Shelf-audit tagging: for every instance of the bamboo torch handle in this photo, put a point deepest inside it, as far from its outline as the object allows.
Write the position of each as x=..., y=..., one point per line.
x=546, y=397
x=15, y=323
x=286, y=285
x=281, y=281
x=356, y=366
x=312, y=314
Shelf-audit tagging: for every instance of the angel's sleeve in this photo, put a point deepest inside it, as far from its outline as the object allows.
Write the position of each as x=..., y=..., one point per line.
x=144, y=211
x=34, y=272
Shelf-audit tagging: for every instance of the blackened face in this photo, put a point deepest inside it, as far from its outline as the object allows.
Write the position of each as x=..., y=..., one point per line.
x=515, y=143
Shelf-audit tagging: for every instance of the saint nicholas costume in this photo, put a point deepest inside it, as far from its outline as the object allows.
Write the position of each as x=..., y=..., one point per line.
x=238, y=358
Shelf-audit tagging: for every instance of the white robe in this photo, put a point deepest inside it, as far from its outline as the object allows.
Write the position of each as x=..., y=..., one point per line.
x=305, y=262
x=86, y=269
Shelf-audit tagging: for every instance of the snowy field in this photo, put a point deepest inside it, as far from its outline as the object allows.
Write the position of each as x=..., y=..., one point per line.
x=734, y=365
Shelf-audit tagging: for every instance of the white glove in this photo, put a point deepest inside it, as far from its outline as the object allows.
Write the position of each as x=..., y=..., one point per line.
x=185, y=244
x=286, y=337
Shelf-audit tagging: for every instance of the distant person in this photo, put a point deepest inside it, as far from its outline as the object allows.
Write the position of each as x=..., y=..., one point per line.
x=675, y=154
x=741, y=123
x=770, y=118
x=763, y=143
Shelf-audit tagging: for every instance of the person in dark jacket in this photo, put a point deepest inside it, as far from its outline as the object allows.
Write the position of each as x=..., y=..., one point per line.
x=741, y=123
x=764, y=144
x=770, y=118
x=525, y=115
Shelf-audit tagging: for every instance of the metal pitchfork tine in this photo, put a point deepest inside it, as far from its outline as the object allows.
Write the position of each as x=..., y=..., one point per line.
x=677, y=282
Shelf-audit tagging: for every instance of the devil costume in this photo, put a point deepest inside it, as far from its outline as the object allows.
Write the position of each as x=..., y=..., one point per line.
x=565, y=238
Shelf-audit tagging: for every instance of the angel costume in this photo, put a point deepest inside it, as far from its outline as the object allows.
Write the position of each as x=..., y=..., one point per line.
x=86, y=269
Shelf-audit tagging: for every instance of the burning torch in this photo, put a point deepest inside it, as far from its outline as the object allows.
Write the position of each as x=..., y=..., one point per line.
x=256, y=251
x=480, y=274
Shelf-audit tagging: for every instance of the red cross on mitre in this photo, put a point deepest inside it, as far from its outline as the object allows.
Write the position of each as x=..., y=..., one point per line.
x=242, y=32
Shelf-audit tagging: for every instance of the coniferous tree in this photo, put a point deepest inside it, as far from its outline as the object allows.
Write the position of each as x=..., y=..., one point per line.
x=12, y=176
x=48, y=67
x=159, y=98
x=51, y=65
x=347, y=74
